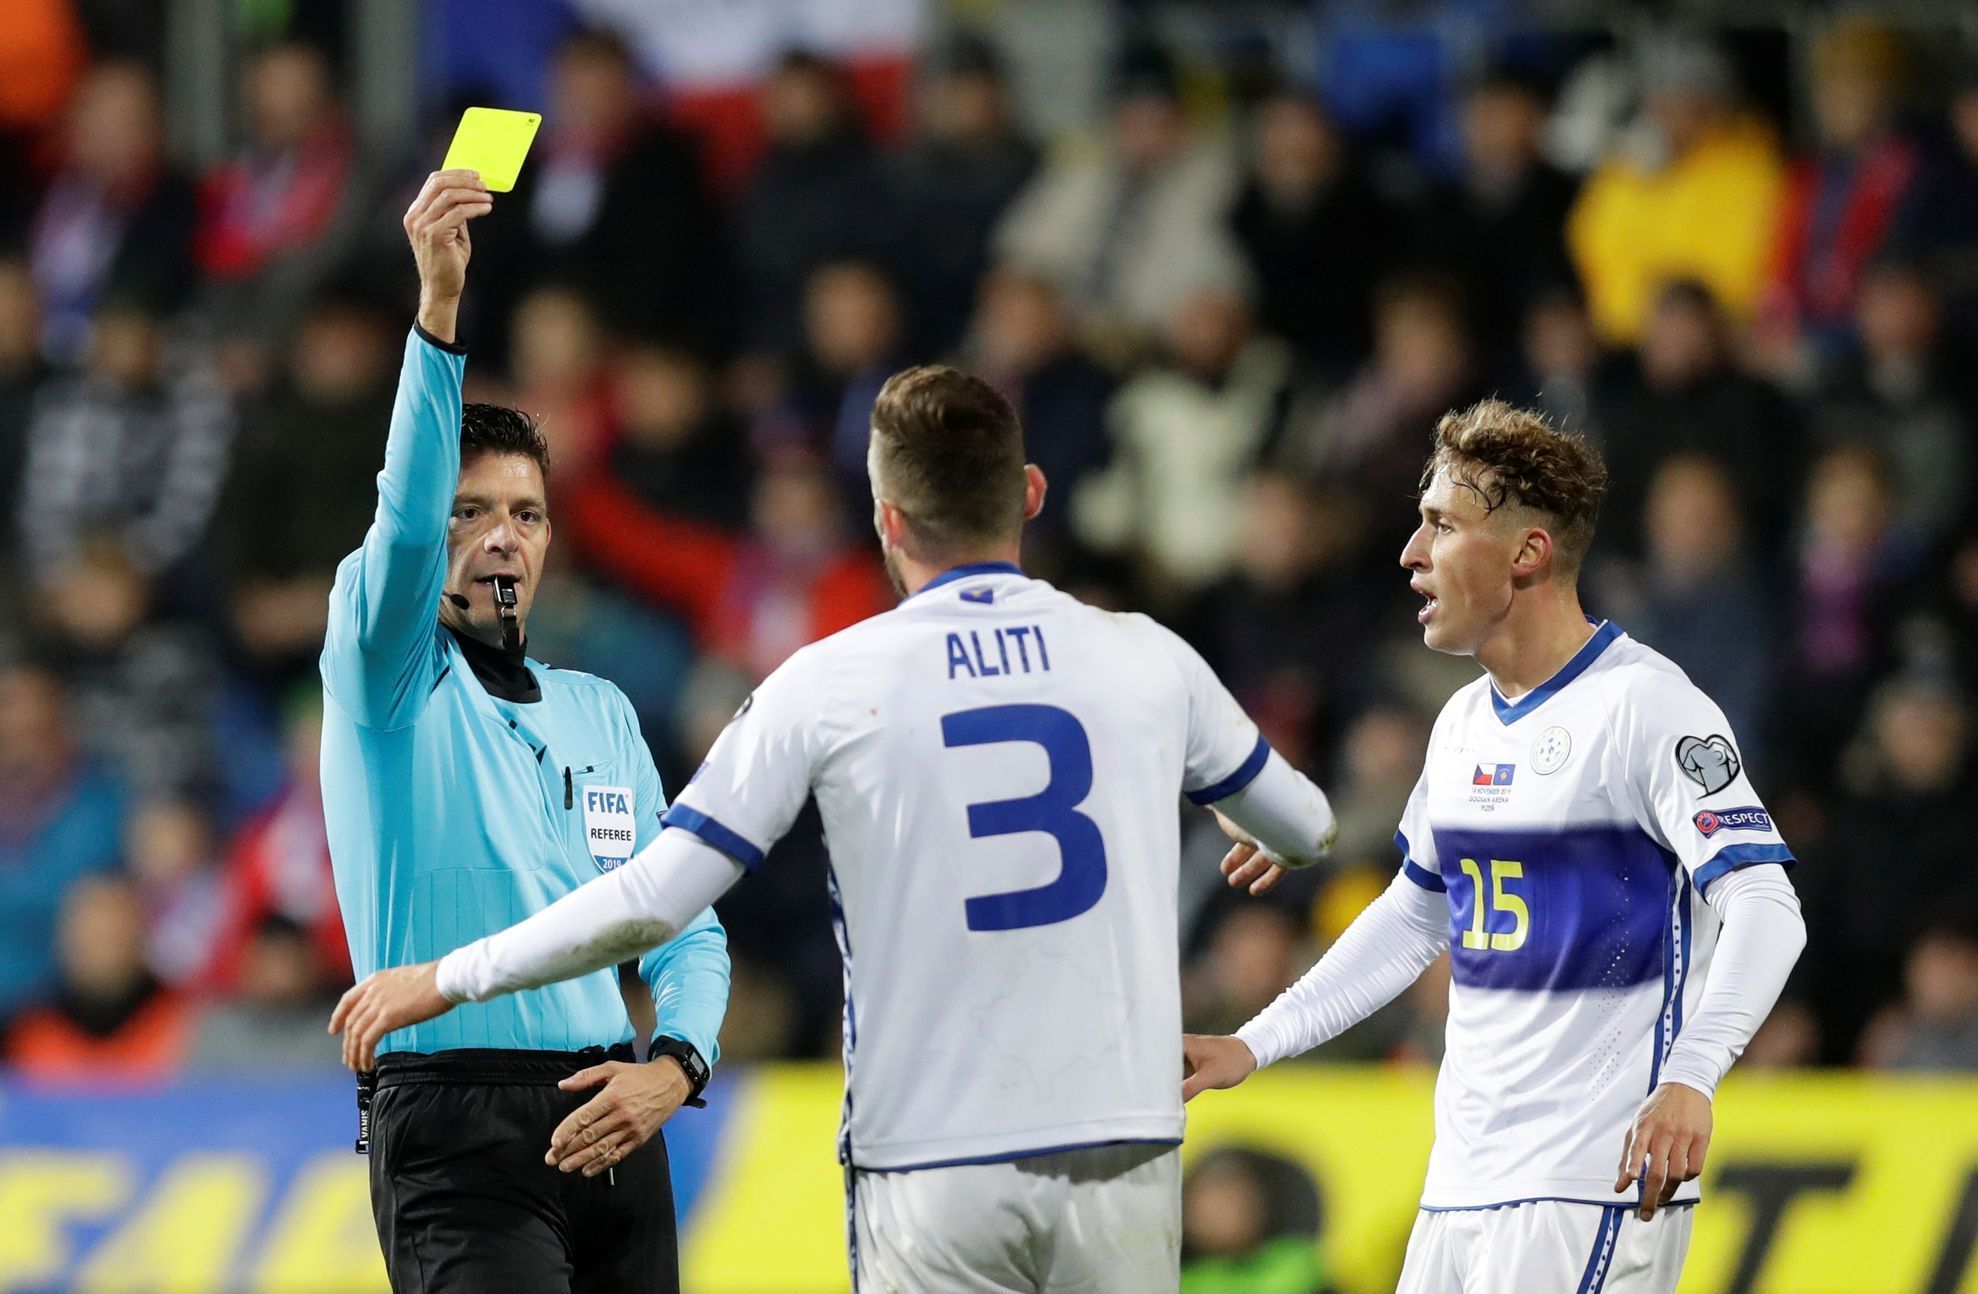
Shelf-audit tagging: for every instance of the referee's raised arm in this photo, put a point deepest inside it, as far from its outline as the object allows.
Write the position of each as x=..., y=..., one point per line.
x=378, y=661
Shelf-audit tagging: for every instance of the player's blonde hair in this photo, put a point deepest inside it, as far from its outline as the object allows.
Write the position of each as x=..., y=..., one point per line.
x=1512, y=455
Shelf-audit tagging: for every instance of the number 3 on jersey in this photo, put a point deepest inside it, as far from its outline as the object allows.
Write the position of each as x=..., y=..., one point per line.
x=1053, y=811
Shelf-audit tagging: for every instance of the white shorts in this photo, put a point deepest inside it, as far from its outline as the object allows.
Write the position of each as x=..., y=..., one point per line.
x=1546, y=1245
x=1105, y=1220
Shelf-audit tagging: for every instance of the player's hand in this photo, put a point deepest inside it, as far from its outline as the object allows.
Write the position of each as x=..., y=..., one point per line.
x=611, y=1125
x=1211, y=1061
x=1246, y=864
x=1665, y=1145
x=388, y=1000
x=436, y=224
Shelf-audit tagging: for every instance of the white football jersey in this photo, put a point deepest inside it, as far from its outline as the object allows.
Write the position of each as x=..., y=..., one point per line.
x=998, y=767
x=1573, y=832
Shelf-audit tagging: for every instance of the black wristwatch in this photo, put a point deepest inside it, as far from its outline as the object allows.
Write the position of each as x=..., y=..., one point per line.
x=691, y=1063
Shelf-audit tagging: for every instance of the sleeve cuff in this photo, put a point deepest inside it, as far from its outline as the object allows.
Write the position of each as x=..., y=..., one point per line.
x=450, y=347
x=1245, y=773
x=1732, y=857
x=727, y=840
x=1414, y=871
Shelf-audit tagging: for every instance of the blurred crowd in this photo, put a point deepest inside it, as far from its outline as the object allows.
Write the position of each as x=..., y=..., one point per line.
x=1229, y=310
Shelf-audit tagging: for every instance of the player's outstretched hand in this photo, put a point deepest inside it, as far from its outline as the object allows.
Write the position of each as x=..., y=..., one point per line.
x=1213, y=1061
x=611, y=1125
x=1665, y=1145
x=436, y=224
x=388, y=1000
x=1246, y=864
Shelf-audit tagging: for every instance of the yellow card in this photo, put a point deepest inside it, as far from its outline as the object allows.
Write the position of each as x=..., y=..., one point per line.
x=492, y=141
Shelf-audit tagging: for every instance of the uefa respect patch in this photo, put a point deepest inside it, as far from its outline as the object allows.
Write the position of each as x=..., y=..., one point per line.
x=1749, y=818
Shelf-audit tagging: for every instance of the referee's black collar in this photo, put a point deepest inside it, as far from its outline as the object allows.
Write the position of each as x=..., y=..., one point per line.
x=503, y=673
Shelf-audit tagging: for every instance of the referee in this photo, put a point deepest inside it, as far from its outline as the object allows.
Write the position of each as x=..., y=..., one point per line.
x=465, y=787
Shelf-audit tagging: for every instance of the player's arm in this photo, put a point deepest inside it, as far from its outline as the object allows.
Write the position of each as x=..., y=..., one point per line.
x=1382, y=952
x=1690, y=791
x=377, y=660
x=740, y=802
x=688, y=978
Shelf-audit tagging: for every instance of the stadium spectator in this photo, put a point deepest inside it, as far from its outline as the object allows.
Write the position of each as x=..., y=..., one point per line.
x=61, y=818
x=109, y=1018
x=1843, y=200
x=277, y=215
x=1698, y=199
x=1023, y=346
x=1853, y=578
x=143, y=681
x=1942, y=229
x=966, y=163
x=278, y=867
x=125, y=448
x=820, y=194
x=1500, y=227
x=1935, y=1028
x=1285, y=630
x=1680, y=393
x=751, y=598
x=1558, y=357
x=1242, y=955
x=1185, y=434
x=1906, y=804
x=42, y=53
x=1370, y=433
x=556, y=364
x=674, y=446
x=1379, y=762
x=853, y=334
x=22, y=372
x=1251, y=1223
x=116, y=220
x=296, y=499
x=1316, y=233
x=171, y=853
x=275, y=1024
x=614, y=202
x=1904, y=391
x=1133, y=228
x=1699, y=595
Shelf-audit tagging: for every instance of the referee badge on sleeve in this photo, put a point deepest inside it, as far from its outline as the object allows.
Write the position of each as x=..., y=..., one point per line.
x=608, y=825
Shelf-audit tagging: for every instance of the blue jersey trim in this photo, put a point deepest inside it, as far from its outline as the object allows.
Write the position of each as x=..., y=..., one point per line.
x=1601, y=1260
x=1731, y=857
x=1010, y=1155
x=962, y=572
x=1422, y=876
x=728, y=841
x=1245, y=773
x=1675, y=974
x=1539, y=1199
x=1509, y=712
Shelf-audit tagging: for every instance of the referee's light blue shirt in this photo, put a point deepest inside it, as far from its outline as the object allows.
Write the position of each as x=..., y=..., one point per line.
x=452, y=813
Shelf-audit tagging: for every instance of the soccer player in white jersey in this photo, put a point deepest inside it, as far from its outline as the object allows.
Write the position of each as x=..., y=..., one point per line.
x=998, y=768
x=1585, y=843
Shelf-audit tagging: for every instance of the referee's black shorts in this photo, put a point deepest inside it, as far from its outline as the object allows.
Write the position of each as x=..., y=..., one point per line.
x=465, y=1203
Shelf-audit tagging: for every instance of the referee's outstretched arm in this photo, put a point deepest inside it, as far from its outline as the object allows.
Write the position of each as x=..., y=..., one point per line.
x=378, y=657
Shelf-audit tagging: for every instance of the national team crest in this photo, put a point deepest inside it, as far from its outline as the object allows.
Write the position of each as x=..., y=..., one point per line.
x=1551, y=750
